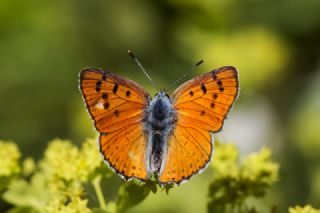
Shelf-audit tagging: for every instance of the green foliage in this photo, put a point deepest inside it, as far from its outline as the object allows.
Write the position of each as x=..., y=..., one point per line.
x=135, y=192
x=233, y=183
x=59, y=182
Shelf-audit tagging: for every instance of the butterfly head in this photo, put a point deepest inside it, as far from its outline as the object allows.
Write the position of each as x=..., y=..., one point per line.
x=162, y=94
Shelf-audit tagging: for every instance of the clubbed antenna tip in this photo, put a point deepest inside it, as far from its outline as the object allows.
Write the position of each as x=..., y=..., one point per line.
x=200, y=62
x=131, y=54
x=141, y=67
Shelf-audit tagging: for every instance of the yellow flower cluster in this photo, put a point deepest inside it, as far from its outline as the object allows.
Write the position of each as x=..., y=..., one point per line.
x=67, y=162
x=73, y=205
x=10, y=156
x=67, y=168
x=62, y=158
x=224, y=161
x=305, y=209
x=234, y=181
x=90, y=160
x=28, y=166
x=9, y=163
x=56, y=183
x=257, y=166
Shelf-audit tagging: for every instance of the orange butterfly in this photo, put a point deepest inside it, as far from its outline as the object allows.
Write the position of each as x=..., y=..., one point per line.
x=166, y=136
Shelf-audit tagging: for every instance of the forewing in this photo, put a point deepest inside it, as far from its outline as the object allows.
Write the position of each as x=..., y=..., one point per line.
x=112, y=101
x=206, y=100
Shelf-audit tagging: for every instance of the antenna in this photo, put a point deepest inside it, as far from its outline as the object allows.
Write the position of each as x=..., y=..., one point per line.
x=141, y=67
x=185, y=74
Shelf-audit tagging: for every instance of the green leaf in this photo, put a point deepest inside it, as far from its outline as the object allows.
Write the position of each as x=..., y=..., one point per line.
x=22, y=209
x=23, y=194
x=168, y=187
x=4, y=182
x=96, y=210
x=131, y=194
x=151, y=185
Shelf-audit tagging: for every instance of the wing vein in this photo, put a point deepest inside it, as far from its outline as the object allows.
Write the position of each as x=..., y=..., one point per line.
x=197, y=140
x=195, y=110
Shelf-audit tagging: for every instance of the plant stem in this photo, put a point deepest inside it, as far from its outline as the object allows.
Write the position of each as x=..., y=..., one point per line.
x=97, y=187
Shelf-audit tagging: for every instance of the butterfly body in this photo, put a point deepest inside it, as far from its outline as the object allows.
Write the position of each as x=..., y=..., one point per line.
x=168, y=136
x=160, y=119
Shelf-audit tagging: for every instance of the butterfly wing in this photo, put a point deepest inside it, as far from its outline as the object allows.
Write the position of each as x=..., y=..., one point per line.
x=117, y=106
x=201, y=105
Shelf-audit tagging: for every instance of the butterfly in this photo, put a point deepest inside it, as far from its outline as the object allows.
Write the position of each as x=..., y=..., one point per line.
x=167, y=136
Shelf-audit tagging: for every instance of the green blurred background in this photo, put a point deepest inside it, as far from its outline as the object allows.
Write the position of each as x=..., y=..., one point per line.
x=275, y=44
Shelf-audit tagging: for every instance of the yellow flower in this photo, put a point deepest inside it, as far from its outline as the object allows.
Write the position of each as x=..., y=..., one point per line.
x=305, y=209
x=258, y=166
x=9, y=159
x=29, y=166
x=73, y=204
x=235, y=181
x=90, y=159
x=67, y=162
x=62, y=157
x=224, y=161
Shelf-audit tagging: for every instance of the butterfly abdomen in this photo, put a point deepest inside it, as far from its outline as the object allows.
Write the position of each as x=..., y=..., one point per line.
x=156, y=152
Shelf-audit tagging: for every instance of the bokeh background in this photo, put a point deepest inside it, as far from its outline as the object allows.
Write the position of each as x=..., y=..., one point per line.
x=275, y=44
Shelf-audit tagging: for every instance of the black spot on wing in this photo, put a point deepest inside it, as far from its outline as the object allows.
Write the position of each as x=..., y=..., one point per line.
x=105, y=96
x=98, y=83
x=215, y=96
x=214, y=76
x=128, y=93
x=98, y=86
x=115, y=88
x=106, y=105
x=203, y=88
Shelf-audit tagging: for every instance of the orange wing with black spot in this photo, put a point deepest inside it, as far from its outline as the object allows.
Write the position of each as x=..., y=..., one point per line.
x=201, y=105
x=117, y=106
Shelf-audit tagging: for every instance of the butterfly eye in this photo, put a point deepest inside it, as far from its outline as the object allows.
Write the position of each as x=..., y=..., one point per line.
x=167, y=96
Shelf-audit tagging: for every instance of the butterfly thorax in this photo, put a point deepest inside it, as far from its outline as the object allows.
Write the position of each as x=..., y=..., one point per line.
x=159, y=121
x=160, y=115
